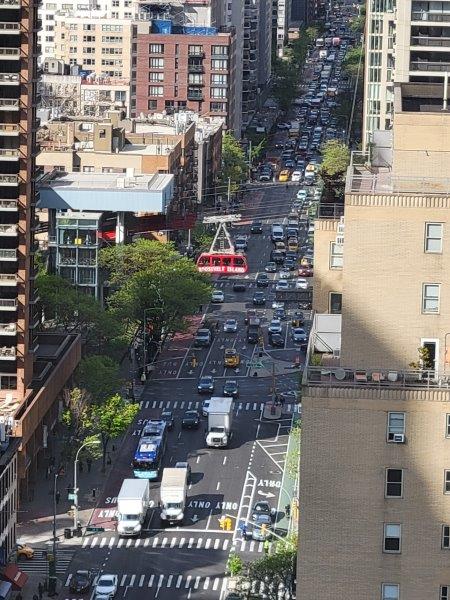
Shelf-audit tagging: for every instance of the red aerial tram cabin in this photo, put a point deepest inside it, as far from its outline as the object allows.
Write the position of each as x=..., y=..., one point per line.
x=233, y=264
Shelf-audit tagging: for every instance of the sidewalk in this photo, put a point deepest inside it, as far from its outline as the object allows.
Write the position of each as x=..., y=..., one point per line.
x=288, y=490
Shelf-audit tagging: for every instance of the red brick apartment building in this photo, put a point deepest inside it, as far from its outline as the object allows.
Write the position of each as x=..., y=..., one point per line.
x=176, y=69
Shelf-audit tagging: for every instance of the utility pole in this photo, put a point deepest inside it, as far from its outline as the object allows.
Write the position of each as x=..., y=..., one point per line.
x=52, y=562
x=229, y=191
x=250, y=161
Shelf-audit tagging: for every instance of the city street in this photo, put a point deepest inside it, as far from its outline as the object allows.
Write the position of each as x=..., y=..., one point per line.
x=189, y=561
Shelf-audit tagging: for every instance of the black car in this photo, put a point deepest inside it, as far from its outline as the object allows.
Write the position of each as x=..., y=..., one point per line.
x=262, y=280
x=167, y=416
x=205, y=385
x=276, y=340
x=191, y=420
x=256, y=227
x=279, y=313
x=81, y=581
x=239, y=287
x=231, y=388
x=259, y=299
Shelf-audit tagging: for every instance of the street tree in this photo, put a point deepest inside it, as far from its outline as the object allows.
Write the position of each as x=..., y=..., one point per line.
x=100, y=376
x=336, y=159
x=109, y=420
x=234, y=164
x=353, y=62
x=75, y=416
x=201, y=237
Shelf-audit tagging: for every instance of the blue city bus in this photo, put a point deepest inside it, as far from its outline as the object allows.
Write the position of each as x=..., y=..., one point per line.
x=148, y=457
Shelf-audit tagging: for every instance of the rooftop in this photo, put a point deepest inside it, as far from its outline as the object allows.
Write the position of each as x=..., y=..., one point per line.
x=116, y=181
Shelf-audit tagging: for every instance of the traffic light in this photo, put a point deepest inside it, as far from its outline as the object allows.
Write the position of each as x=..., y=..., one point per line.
x=222, y=522
x=228, y=524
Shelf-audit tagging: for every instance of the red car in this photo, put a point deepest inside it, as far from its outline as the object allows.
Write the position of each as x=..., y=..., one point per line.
x=305, y=271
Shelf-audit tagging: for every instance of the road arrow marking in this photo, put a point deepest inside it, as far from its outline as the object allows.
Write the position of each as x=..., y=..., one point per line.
x=237, y=370
x=213, y=370
x=266, y=494
x=190, y=372
x=194, y=519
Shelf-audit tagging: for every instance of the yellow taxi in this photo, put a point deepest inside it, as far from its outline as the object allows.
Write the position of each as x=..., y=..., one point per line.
x=24, y=551
x=284, y=175
x=293, y=244
x=231, y=358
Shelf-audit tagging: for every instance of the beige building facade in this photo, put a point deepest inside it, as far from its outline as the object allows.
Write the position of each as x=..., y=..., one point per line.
x=375, y=467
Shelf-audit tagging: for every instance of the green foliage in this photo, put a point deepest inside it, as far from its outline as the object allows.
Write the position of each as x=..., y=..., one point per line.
x=67, y=308
x=293, y=458
x=234, y=164
x=353, y=62
x=235, y=564
x=159, y=283
x=358, y=23
x=100, y=376
x=258, y=149
x=201, y=237
x=76, y=412
x=336, y=159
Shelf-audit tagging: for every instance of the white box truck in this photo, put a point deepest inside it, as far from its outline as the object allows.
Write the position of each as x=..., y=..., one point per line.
x=132, y=505
x=220, y=418
x=173, y=494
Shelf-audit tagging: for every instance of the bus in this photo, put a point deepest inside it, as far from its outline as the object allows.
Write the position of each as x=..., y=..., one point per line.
x=149, y=454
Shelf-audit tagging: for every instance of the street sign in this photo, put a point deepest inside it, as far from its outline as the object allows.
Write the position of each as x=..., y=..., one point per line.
x=255, y=364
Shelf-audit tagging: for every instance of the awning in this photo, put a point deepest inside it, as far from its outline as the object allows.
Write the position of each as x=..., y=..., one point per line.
x=17, y=577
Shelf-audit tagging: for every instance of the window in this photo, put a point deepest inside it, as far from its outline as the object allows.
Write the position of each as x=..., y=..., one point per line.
x=445, y=536
x=156, y=63
x=87, y=27
x=220, y=107
x=195, y=79
x=89, y=61
x=219, y=65
x=390, y=591
x=219, y=50
x=195, y=50
x=447, y=425
x=218, y=93
x=394, y=483
x=89, y=38
x=112, y=39
x=395, y=425
x=446, y=482
x=430, y=298
x=392, y=538
x=444, y=592
x=335, y=303
x=155, y=90
x=88, y=169
x=111, y=50
x=152, y=104
x=73, y=38
x=102, y=133
x=156, y=49
x=72, y=50
x=336, y=256
x=433, y=237
x=217, y=79
x=112, y=27
x=156, y=76
x=89, y=50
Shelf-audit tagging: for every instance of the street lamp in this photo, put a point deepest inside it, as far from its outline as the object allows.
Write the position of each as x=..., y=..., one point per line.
x=52, y=562
x=75, y=477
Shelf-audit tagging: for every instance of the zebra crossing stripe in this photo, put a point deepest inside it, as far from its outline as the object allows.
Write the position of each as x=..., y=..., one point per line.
x=155, y=542
x=182, y=404
x=169, y=581
x=189, y=405
x=120, y=542
x=147, y=542
x=215, y=584
x=161, y=404
x=216, y=543
x=255, y=406
x=191, y=541
x=164, y=542
x=199, y=543
x=188, y=581
x=225, y=544
x=154, y=404
x=68, y=580
x=196, y=582
x=179, y=580
x=150, y=581
x=173, y=541
x=161, y=579
x=247, y=406
x=206, y=583
x=102, y=542
x=111, y=542
x=141, y=580
x=94, y=541
x=122, y=581
x=181, y=544
x=133, y=577
x=207, y=544
x=243, y=544
x=138, y=542
x=86, y=542
x=252, y=546
x=175, y=404
x=141, y=404
x=129, y=542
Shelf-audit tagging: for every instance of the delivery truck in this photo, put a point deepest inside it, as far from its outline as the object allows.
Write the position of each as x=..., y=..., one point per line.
x=132, y=505
x=220, y=418
x=173, y=495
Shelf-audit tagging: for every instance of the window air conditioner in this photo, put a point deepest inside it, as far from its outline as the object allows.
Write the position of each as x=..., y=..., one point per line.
x=399, y=438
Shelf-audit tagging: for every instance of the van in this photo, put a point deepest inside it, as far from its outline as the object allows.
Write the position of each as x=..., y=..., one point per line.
x=277, y=234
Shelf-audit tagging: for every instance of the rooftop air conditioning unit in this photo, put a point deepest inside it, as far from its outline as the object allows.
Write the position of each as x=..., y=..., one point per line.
x=398, y=438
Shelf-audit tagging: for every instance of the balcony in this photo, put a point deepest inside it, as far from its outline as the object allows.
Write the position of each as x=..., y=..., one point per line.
x=9, y=154
x=430, y=42
x=195, y=69
x=8, y=280
x=8, y=230
x=9, y=103
x=194, y=95
x=9, y=129
x=9, y=255
x=6, y=27
x=8, y=328
x=8, y=205
x=7, y=353
x=424, y=16
x=435, y=67
x=198, y=53
x=9, y=79
x=9, y=180
x=9, y=53
x=8, y=303
x=10, y=4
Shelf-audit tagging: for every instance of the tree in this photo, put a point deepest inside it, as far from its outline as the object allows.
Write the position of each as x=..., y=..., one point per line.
x=110, y=420
x=293, y=458
x=76, y=412
x=235, y=564
x=100, y=376
x=201, y=237
x=258, y=150
x=353, y=62
x=336, y=158
x=234, y=164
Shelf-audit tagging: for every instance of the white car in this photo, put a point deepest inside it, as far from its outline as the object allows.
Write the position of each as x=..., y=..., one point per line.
x=301, y=284
x=106, y=585
x=275, y=326
x=282, y=286
x=230, y=326
x=285, y=274
x=296, y=176
x=302, y=195
x=217, y=296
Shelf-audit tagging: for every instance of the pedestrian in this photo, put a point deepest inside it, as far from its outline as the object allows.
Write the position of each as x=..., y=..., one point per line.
x=40, y=590
x=57, y=497
x=47, y=472
x=35, y=597
x=93, y=493
x=89, y=463
x=287, y=510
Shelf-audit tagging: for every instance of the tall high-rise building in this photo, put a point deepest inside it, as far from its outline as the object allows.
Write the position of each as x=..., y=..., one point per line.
x=375, y=469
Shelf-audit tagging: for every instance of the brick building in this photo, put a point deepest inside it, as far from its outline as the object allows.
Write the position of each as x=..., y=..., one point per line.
x=193, y=69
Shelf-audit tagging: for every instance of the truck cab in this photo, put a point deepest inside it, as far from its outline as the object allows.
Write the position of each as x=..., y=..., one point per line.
x=220, y=416
x=173, y=494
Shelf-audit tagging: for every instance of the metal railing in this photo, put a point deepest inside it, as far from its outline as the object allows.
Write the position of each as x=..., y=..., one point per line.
x=8, y=254
x=8, y=204
x=10, y=102
x=8, y=328
x=8, y=229
x=9, y=179
x=380, y=378
x=7, y=352
x=423, y=15
x=429, y=66
x=7, y=278
x=9, y=78
x=10, y=52
x=9, y=128
x=9, y=152
x=10, y=3
x=430, y=41
x=386, y=183
x=8, y=303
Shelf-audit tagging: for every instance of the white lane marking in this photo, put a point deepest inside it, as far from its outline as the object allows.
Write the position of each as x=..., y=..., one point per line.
x=150, y=581
x=111, y=542
x=155, y=542
x=179, y=580
x=120, y=543
x=224, y=460
x=141, y=580
x=94, y=542
x=122, y=581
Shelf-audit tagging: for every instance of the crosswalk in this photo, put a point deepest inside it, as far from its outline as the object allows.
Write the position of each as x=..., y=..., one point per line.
x=171, y=580
x=168, y=542
x=196, y=405
x=39, y=564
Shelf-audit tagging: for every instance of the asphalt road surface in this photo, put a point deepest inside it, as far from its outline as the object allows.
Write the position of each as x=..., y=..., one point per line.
x=189, y=561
